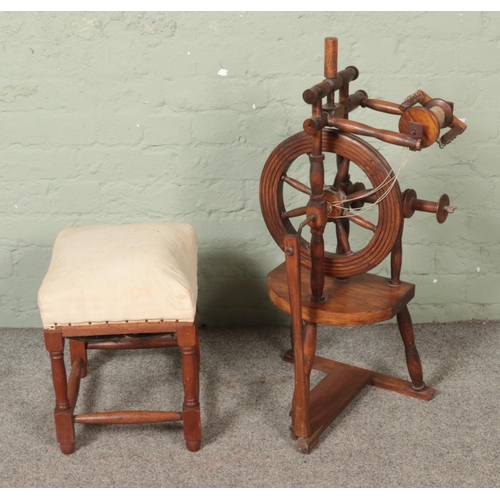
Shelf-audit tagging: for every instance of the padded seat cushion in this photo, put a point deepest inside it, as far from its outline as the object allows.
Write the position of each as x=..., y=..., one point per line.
x=121, y=273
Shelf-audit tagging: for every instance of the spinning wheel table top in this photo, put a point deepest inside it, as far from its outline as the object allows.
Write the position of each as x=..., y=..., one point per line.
x=314, y=285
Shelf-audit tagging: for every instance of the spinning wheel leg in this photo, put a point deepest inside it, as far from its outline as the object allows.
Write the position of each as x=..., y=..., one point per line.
x=300, y=402
x=308, y=348
x=288, y=356
x=310, y=336
x=412, y=357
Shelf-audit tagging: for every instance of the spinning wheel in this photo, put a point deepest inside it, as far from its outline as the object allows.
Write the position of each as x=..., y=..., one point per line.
x=340, y=196
x=334, y=288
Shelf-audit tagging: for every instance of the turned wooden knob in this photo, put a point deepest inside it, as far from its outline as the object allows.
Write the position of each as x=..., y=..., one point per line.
x=441, y=208
x=331, y=55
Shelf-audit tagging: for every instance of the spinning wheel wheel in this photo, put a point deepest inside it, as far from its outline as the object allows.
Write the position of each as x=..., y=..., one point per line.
x=340, y=197
x=334, y=288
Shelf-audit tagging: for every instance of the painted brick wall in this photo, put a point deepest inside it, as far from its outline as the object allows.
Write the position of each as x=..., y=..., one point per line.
x=127, y=117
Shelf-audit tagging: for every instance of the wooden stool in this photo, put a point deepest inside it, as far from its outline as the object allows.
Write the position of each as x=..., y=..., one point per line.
x=121, y=287
x=315, y=286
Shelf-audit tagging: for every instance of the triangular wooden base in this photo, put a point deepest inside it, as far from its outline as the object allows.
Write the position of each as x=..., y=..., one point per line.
x=338, y=388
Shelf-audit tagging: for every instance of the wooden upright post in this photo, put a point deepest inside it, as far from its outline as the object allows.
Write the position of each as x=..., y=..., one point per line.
x=331, y=51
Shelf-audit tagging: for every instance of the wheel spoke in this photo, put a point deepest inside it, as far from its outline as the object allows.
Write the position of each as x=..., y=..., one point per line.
x=297, y=185
x=342, y=171
x=345, y=223
x=362, y=222
x=295, y=212
x=342, y=238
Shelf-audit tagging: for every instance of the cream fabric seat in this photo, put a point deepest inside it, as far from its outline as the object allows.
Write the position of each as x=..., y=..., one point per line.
x=119, y=273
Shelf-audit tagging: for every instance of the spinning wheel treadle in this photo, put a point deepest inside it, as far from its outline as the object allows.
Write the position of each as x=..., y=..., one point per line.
x=333, y=288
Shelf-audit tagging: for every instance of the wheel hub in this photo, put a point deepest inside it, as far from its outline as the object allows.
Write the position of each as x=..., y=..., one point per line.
x=334, y=198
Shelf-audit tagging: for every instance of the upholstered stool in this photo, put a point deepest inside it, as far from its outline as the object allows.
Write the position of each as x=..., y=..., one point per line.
x=121, y=287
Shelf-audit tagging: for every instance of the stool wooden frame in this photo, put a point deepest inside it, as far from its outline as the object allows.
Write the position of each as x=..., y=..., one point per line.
x=129, y=335
x=314, y=286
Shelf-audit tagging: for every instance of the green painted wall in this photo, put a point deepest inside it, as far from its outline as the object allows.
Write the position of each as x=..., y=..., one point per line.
x=123, y=117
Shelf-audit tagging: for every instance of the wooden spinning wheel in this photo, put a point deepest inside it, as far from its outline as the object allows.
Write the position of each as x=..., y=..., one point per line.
x=339, y=196
x=334, y=288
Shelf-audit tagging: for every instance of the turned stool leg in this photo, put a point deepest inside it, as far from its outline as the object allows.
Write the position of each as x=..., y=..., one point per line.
x=412, y=358
x=190, y=353
x=78, y=348
x=198, y=353
x=63, y=413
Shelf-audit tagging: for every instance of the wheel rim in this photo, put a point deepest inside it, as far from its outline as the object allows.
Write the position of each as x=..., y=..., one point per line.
x=375, y=167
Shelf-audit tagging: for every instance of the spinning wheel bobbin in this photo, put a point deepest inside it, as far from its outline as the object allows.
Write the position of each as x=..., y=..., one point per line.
x=427, y=120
